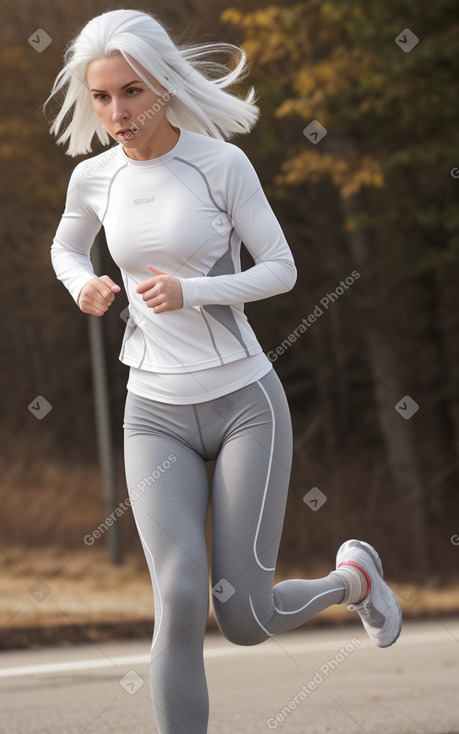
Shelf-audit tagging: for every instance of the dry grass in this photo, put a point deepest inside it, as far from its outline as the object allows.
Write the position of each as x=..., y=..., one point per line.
x=52, y=587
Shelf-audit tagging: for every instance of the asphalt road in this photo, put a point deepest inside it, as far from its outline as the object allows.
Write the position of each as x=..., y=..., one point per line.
x=308, y=682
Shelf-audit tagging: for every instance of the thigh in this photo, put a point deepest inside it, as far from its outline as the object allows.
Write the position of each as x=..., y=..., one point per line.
x=250, y=487
x=168, y=490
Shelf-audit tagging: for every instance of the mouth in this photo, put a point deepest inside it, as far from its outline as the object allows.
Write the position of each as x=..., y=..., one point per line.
x=126, y=134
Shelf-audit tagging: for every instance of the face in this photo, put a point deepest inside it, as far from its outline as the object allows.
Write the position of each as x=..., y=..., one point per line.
x=129, y=110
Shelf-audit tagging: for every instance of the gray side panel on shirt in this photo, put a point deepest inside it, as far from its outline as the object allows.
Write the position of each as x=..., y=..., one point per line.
x=224, y=266
x=224, y=314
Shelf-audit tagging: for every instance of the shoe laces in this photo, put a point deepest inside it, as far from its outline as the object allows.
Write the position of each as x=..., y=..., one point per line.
x=364, y=606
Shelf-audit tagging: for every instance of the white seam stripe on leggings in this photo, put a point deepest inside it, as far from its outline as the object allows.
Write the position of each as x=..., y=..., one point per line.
x=268, y=473
x=248, y=433
x=323, y=593
x=257, y=620
x=157, y=626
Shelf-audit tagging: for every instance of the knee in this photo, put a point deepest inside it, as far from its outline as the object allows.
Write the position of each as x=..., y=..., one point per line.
x=240, y=630
x=185, y=597
x=241, y=636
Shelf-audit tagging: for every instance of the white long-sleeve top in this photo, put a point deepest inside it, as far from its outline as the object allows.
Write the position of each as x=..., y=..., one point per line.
x=185, y=213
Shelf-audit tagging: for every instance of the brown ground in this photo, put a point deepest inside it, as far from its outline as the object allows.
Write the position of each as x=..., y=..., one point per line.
x=51, y=596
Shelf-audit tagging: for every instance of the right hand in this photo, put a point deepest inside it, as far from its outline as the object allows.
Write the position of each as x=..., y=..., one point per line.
x=97, y=295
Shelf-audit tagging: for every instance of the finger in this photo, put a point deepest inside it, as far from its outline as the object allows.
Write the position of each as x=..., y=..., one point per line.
x=94, y=299
x=101, y=291
x=148, y=295
x=156, y=305
x=161, y=308
x=157, y=272
x=146, y=285
x=154, y=301
x=93, y=309
x=98, y=302
x=114, y=287
x=155, y=290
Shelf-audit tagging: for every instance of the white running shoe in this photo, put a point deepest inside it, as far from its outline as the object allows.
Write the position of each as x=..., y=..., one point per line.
x=380, y=611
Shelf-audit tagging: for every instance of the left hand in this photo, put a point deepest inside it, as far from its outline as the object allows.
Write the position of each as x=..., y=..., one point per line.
x=161, y=293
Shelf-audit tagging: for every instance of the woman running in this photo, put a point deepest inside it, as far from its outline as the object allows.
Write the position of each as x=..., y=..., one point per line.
x=176, y=201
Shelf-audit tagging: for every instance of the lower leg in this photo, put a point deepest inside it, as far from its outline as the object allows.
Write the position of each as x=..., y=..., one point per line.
x=177, y=677
x=356, y=581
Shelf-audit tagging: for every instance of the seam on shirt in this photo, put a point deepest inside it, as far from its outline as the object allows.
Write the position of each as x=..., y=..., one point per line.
x=140, y=364
x=110, y=189
x=223, y=313
x=134, y=328
x=222, y=361
x=176, y=158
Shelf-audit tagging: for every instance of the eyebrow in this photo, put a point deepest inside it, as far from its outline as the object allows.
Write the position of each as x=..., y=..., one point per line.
x=136, y=81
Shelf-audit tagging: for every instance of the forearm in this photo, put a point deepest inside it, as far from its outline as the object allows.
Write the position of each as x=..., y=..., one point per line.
x=73, y=269
x=263, y=280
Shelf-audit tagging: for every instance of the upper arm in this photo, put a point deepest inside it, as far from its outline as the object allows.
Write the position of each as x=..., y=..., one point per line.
x=251, y=213
x=79, y=223
x=78, y=227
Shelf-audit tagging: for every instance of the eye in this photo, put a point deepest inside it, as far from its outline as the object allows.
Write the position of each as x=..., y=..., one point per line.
x=101, y=97
x=135, y=91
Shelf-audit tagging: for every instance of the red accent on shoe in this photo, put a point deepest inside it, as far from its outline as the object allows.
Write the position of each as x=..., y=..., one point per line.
x=356, y=565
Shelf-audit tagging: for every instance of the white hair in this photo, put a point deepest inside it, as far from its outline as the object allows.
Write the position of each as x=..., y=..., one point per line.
x=197, y=101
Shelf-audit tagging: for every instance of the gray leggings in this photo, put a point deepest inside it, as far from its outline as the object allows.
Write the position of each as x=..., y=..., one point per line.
x=248, y=433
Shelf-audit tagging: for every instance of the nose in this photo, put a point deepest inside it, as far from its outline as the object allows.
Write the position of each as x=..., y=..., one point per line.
x=118, y=111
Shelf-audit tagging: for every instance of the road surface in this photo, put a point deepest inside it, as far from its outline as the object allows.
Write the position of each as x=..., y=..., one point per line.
x=330, y=681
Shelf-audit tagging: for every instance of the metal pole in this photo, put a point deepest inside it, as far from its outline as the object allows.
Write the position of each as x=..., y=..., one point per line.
x=102, y=418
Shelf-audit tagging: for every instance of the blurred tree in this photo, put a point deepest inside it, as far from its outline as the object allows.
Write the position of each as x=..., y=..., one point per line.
x=375, y=194
x=379, y=111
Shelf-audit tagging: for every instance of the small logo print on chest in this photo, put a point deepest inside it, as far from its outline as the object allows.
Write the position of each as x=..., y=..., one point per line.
x=146, y=200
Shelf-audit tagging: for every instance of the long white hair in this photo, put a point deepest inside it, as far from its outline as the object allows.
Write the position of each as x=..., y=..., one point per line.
x=197, y=101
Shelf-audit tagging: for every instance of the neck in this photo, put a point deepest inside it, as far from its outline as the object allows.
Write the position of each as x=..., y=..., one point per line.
x=159, y=144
